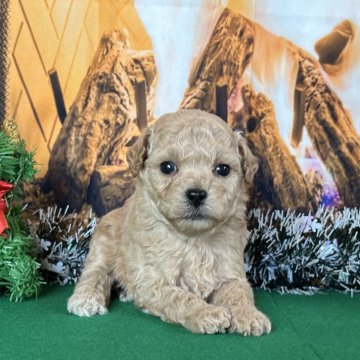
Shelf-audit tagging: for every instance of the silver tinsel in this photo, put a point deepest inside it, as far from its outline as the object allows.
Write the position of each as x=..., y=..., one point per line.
x=62, y=241
x=300, y=253
x=287, y=251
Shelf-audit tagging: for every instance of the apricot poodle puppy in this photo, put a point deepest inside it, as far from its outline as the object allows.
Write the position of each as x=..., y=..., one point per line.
x=176, y=247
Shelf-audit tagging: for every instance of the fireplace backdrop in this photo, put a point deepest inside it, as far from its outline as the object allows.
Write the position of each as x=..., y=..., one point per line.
x=287, y=74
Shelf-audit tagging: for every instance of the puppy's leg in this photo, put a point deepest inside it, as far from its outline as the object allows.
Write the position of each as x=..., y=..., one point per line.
x=238, y=297
x=173, y=304
x=92, y=292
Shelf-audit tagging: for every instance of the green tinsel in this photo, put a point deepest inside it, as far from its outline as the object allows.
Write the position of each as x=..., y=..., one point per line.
x=18, y=268
x=16, y=164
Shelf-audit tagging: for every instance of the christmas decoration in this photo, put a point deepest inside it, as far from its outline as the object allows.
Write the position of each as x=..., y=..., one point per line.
x=287, y=251
x=18, y=268
x=62, y=241
x=304, y=253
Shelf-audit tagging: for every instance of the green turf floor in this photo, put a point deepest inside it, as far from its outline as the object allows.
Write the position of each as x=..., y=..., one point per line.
x=324, y=326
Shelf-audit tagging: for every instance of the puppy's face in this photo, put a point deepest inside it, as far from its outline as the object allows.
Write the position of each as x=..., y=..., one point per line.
x=192, y=167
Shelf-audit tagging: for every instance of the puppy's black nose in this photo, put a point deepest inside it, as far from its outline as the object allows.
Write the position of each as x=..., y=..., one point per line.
x=196, y=196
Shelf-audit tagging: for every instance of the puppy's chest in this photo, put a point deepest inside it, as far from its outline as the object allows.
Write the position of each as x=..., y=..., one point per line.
x=200, y=272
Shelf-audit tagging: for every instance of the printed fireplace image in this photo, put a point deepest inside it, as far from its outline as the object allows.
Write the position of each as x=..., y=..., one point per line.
x=286, y=76
x=84, y=78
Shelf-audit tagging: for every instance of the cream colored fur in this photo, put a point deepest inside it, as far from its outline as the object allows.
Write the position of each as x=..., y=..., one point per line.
x=184, y=269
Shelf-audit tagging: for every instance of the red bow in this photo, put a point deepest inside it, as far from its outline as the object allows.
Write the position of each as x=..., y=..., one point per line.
x=4, y=188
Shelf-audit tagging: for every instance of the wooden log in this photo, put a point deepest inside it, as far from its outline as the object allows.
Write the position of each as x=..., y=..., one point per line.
x=328, y=124
x=331, y=130
x=109, y=188
x=141, y=112
x=223, y=61
x=102, y=119
x=221, y=100
x=335, y=48
x=279, y=182
x=58, y=95
x=298, y=118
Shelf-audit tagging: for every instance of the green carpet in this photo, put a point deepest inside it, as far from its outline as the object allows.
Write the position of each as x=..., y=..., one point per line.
x=324, y=326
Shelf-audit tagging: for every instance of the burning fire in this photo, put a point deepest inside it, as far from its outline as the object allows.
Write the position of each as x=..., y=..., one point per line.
x=179, y=30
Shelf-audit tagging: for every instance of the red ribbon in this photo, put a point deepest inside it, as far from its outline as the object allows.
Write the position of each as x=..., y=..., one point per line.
x=4, y=188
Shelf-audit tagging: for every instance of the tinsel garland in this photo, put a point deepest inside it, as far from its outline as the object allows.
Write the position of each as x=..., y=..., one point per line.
x=288, y=252
x=19, y=273
x=302, y=253
x=62, y=241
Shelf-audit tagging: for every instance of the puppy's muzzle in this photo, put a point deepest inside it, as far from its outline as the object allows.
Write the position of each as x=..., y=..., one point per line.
x=196, y=197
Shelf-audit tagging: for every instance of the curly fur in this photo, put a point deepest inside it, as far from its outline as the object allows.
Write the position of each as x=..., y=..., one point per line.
x=182, y=264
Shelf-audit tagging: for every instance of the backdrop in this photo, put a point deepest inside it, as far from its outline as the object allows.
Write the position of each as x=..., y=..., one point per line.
x=86, y=76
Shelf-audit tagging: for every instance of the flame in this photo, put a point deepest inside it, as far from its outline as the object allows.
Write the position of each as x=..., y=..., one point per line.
x=273, y=72
x=179, y=29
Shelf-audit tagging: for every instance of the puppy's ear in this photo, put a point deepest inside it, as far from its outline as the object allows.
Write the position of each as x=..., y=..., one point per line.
x=138, y=152
x=249, y=162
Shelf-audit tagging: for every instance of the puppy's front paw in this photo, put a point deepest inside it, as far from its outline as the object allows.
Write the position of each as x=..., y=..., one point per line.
x=209, y=320
x=247, y=320
x=87, y=304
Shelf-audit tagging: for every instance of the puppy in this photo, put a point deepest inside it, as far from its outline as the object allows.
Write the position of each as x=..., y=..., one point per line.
x=176, y=246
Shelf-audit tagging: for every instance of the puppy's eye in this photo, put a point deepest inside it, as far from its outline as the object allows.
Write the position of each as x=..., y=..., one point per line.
x=222, y=169
x=168, y=167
